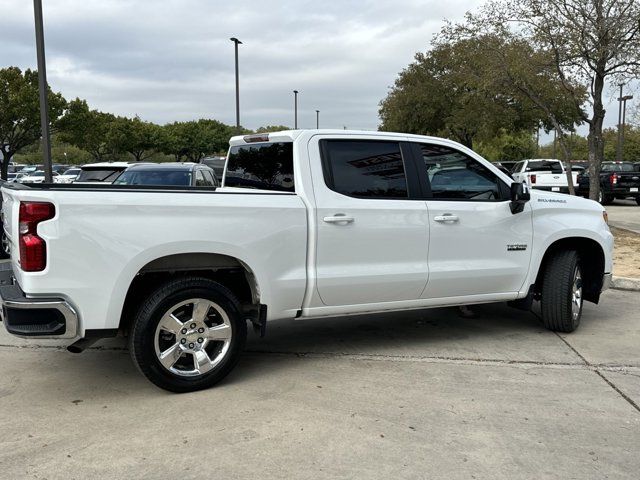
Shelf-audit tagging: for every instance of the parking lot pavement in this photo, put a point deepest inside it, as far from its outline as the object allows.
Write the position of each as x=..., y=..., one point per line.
x=409, y=395
x=624, y=214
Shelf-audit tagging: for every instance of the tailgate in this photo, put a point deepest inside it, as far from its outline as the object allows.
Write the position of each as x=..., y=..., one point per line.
x=7, y=212
x=630, y=180
x=548, y=179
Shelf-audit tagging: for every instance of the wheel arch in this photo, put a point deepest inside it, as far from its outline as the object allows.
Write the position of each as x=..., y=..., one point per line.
x=592, y=262
x=229, y=270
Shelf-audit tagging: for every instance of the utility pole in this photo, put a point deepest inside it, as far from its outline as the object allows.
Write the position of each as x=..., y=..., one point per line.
x=317, y=119
x=236, y=43
x=295, y=109
x=42, y=86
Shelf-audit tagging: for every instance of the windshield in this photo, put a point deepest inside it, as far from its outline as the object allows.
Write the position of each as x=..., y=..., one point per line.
x=154, y=177
x=105, y=174
x=617, y=167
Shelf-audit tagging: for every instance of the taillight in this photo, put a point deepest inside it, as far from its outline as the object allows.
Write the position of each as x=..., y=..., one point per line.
x=33, y=249
x=533, y=178
x=613, y=179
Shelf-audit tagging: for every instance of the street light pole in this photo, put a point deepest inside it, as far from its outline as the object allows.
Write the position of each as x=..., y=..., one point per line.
x=619, y=146
x=42, y=86
x=295, y=109
x=317, y=119
x=624, y=114
x=236, y=43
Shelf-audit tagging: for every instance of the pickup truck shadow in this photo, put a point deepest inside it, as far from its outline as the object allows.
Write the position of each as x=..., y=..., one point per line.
x=498, y=333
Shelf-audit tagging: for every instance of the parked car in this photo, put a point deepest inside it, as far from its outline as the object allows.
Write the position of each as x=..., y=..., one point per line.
x=168, y=174
x=101, y=172
x=35, y=177
x=68, y=176
x=14, y=177
x=617, y=180
x=543, y=174
x=333, y=223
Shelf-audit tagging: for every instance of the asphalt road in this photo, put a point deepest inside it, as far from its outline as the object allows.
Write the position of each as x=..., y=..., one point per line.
x=411, y=395
x=624, y=214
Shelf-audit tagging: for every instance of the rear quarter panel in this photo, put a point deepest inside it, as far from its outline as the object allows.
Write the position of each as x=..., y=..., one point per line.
x=99, y=240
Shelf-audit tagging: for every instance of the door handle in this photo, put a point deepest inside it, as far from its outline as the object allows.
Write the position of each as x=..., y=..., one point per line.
x=447, y=217
x=339, y=218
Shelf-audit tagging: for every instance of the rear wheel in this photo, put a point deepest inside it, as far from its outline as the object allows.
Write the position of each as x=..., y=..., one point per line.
x=638, y=200
x=604, y=199
x=188, y=334
x=561, y=301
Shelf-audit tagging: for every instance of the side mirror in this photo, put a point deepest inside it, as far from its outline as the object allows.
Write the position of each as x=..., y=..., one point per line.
x=519, y=196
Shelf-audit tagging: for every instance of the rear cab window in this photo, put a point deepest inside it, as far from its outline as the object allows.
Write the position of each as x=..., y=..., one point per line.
x=263, y=166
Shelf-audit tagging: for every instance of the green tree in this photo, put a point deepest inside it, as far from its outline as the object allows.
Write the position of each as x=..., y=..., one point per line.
x=508, y=146
x=134, y=136
x=457, y=90
x=272, y=128
x=87, y=129
x=20, y=112
x=587, y=42
x=195, y=139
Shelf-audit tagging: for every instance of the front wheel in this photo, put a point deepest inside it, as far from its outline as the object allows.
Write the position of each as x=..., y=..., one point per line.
x=188, y=334
x=561, y=301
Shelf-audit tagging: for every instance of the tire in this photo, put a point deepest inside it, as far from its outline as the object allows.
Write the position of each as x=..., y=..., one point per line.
x=5, y=246
x=638, y=200
x=604, y=199
x=562, y=298
x=179, y=339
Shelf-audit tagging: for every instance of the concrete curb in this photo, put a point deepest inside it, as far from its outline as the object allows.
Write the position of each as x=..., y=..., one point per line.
x=625, y=283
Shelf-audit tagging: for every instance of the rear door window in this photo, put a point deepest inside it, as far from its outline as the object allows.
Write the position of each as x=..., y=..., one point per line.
x=264, y=166
x=365, y=168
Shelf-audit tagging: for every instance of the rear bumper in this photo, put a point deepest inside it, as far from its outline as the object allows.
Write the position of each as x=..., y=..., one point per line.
x=41, y=317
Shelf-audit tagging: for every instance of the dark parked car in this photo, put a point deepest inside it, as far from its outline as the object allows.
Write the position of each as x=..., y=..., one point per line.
x=168, y=174
x=617, y=180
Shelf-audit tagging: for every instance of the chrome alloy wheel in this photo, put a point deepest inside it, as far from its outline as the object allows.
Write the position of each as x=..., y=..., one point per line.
x=193, y=337
x=576, y=294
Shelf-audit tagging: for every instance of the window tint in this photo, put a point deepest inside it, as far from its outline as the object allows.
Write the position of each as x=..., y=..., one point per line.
x=617, y=167
x=267, y=166
x=544, y=166
x=154, y=177
x=99, y=174
x=200, y=181
x=455, y=176
x=366, y=169
x=210, y=179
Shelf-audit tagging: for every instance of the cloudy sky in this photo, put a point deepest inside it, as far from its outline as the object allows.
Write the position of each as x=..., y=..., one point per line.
x=172, y=60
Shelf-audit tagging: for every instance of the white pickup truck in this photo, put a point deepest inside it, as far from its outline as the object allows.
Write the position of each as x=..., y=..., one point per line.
x=306, y=224
x=544, y=174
